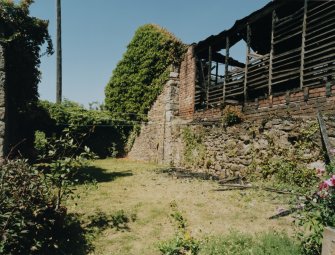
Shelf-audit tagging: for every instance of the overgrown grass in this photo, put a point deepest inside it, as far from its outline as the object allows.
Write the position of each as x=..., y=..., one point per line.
x=145, y=196
x=246, y=244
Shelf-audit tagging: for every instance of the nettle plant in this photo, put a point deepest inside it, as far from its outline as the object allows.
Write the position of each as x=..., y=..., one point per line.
x=319, y=212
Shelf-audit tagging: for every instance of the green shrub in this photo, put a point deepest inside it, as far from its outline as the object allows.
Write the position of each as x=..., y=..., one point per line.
x=318, y=213
x=139, y=77
x=232, y=115
x=33, y=219
x=29, y=221
x=289, y=172
x=97, y=129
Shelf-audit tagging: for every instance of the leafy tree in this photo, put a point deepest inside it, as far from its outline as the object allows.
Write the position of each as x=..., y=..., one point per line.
x=139, y=77
x=22, y=37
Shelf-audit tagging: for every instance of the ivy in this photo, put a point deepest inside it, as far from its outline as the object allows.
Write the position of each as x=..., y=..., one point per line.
x=139, y=77
x=22, y=37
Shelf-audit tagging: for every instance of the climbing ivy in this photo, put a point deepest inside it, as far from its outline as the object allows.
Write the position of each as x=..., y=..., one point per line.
x=22, y=37
x=139, y=77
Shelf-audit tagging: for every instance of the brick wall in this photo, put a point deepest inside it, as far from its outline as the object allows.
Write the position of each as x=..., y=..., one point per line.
x=298, y=103
x=187, y=85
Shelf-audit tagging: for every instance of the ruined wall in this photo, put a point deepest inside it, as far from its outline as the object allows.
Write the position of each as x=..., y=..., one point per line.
x=187, y=85
x=154, y=144
x=2, y=102
x=243, y=148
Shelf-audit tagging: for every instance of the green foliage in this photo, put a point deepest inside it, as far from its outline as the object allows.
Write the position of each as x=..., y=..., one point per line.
x=287, y=171
x=33, y=219
x=22, y=37
x=60, y=164
x=29, y=220
x=182, y=243
x=195, y=150
x=244, y=244
x=139, y=77
x=96, y=128
x=232, y=115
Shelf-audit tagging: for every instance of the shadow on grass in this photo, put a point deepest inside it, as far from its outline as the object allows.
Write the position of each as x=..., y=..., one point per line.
x=97, y=174
x=73, y=237
x=181, y=173
x=76, y=237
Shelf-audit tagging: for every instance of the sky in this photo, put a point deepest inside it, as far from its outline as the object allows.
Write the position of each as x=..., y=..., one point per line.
x=95, y=34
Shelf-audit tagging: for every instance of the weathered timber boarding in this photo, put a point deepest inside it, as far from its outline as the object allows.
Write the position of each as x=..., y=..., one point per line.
x=290, y=46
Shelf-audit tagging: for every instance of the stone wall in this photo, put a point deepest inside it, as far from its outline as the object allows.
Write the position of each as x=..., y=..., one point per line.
x=2, y=102
x=242, y=148
x=154, y=143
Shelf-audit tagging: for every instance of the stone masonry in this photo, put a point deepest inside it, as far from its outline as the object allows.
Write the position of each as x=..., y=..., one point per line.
x=154, y=144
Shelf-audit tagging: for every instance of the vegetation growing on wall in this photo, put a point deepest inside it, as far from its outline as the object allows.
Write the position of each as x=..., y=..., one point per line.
x=195, y=150
x=22, y=37
x=139, y=77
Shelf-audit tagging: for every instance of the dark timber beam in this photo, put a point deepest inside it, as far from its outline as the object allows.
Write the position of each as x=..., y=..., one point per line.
x=245, y=92
x=274, y=16
x=226, y=71
x=209, y=75
x=303, y=44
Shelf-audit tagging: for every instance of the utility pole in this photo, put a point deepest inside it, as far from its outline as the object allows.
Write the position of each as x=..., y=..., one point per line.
x=59, y=53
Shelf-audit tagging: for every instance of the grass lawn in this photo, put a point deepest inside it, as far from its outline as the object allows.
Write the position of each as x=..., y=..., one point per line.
x=141, y=190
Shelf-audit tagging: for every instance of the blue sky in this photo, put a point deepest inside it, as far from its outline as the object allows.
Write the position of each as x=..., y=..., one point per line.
x=96, y=33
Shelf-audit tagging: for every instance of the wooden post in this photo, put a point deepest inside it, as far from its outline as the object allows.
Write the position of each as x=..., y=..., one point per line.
x=247, y=64
x=59, y=54
x=325, y=137
x=274, y=16
x=226, y=74
x=328, y=243
x=216, y=72
x=209, y=75
x=303, y=44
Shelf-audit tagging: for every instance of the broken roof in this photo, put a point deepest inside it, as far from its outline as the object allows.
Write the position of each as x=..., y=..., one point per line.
x=260, y=22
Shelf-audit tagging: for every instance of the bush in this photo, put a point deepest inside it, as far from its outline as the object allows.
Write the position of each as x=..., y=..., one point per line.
x=232, y=115
x=97, y=129
x=28, y=217
x=289, y=172
x=318, y=213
